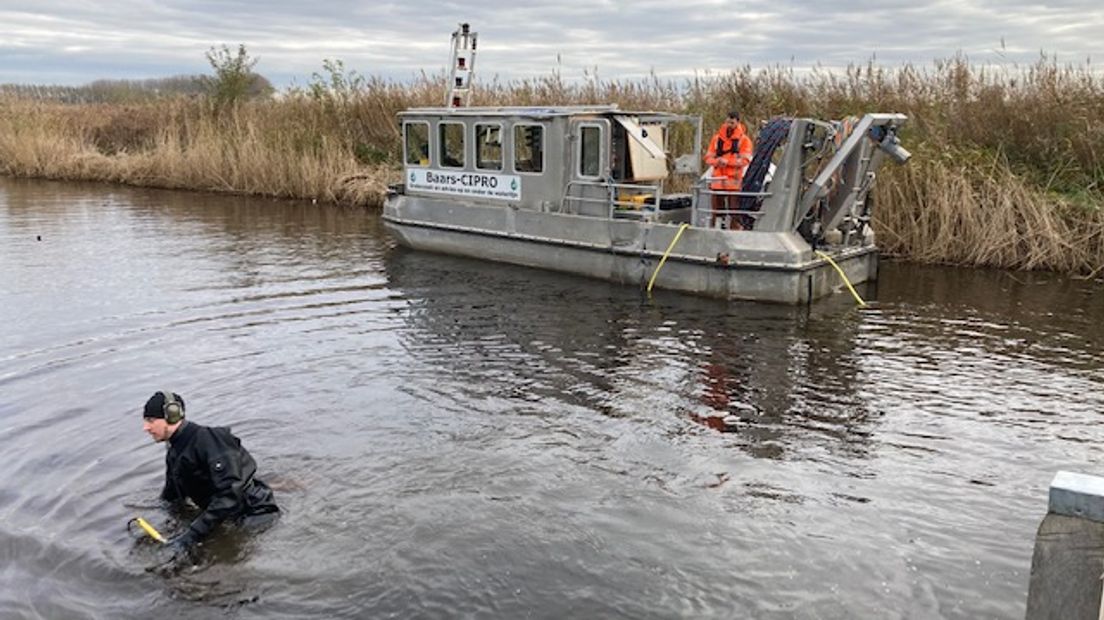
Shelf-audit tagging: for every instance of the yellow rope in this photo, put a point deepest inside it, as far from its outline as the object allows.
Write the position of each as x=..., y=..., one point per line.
x=665, y=255
x=842, y=275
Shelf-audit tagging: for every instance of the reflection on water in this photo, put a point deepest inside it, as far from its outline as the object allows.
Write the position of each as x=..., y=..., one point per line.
x=771, y=370
x=458, y=438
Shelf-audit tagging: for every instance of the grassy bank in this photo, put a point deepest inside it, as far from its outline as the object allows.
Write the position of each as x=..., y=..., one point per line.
x=1008, y=168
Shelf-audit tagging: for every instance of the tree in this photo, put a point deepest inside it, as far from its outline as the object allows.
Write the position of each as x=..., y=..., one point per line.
x=234, y=79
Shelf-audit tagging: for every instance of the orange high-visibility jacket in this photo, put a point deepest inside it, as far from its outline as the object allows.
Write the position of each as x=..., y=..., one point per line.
x=729, y=156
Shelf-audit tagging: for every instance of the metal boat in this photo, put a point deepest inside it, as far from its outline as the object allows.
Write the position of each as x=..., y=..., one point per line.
x=622, y=195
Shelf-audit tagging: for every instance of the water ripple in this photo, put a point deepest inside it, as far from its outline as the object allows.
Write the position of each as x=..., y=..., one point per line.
x=455, y=438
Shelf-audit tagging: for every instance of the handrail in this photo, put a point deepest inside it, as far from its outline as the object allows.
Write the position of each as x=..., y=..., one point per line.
x=701, y=189
x=567, y=197
x=701, y=185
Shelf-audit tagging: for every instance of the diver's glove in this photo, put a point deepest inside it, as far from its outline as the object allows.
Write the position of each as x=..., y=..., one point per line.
x=182, y=545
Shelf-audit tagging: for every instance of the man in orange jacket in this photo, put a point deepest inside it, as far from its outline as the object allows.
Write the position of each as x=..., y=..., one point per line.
x=729, y=153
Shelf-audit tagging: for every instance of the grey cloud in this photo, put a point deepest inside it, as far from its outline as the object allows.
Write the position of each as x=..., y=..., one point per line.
x=73, y=42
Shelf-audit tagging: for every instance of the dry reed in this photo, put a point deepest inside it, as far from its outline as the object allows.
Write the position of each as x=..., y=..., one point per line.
x=1008, y=168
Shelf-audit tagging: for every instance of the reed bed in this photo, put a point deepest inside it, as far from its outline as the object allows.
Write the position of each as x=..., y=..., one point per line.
x=1008, y=166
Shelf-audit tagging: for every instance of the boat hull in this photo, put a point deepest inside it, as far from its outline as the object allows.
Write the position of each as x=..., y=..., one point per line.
x=772, y=267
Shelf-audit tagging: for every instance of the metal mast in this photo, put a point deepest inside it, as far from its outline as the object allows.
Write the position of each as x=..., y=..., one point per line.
x=462, y=67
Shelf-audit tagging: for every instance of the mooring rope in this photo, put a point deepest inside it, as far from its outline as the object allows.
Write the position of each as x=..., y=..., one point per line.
x=665, y=255
x=844, y=276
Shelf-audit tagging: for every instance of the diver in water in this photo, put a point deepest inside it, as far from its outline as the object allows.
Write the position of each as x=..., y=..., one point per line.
x=208, y=466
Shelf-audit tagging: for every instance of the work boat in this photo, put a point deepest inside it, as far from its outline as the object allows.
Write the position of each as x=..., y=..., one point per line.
x=597, y=191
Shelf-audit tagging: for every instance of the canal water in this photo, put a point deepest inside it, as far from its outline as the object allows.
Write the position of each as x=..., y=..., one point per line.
x=452, y=438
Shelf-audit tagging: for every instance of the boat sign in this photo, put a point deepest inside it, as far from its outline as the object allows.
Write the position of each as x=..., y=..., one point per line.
x=464, y=183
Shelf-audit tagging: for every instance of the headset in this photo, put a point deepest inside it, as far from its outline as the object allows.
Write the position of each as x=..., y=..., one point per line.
x=173, y=408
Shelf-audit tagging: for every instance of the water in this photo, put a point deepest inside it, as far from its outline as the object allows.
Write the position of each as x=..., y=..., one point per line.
x=452, y=438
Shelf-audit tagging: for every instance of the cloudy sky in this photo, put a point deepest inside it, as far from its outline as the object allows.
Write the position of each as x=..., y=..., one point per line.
x=77, y=41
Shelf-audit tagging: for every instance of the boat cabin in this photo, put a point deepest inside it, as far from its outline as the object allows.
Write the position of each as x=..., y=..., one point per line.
x=583, y=160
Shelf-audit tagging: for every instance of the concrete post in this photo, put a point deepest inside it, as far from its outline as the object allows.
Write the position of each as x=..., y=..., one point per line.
x=1068, y=561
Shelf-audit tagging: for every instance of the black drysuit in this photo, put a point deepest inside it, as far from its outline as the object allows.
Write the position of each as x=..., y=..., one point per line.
x=209, y=466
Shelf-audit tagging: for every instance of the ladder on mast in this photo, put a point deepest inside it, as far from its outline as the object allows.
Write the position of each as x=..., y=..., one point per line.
x=462, y=68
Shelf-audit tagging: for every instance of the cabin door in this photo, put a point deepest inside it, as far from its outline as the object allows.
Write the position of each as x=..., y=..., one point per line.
x=589, y=190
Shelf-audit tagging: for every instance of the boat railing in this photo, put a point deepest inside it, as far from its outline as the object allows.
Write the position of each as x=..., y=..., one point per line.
x=614, y=198
x=702, y=191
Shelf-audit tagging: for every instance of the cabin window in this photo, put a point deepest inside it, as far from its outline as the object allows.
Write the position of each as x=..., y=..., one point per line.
x=529, y=148
x=451, y=143
x=488, y=147
x=590, y=151
x=416, y=143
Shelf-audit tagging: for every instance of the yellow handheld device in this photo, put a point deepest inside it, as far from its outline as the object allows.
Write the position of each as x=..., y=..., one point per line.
x=149, y=529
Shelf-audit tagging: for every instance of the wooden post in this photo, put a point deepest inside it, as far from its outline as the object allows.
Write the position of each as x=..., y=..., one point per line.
x=1066, y=581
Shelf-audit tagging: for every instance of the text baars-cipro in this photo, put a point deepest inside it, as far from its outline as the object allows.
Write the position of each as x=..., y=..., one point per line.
x=467, y=180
